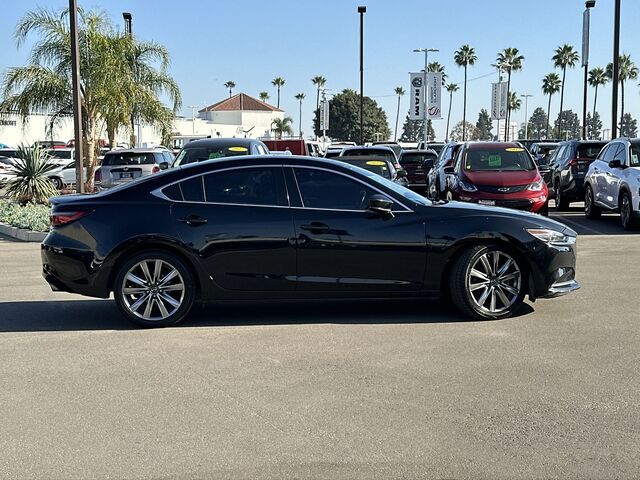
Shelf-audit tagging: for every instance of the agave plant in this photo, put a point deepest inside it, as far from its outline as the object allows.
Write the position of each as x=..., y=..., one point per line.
x=31, y=183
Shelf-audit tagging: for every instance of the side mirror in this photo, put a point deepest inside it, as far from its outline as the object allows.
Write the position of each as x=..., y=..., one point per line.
x=163, y=165
x=381, y=205
x=402, y=173
x=615, y=164
x=449, y=170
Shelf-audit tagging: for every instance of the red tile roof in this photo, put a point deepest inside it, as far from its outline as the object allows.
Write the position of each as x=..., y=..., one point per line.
x=240, y=101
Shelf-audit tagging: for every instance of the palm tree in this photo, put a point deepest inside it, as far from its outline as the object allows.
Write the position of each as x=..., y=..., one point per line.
x=451, y=88
x=564, y=56
x=438, y=68
x=319, y=81
x=627, y=70
x=399, y=91
x=464, y=57
x=280, y=126
x=278, y=82
x=597, y=77
x=264, y=96
x=514, y=102
x=300, y=97
x=510, y=60
x=130, y=90
x=230, y=85
x=550, y=84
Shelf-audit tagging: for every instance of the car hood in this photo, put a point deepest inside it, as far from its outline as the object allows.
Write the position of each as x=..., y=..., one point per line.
x=503, y=178
x=534, y=220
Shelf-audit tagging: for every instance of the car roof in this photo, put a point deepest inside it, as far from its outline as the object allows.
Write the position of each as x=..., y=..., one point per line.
x=221, y=142
x=478, y=145
x=419, y=152
x=135, y=150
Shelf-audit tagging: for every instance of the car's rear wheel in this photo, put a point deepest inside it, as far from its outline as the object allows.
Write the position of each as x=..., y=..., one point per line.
x=154, y=289
x=562, y=203
x=626, y=211
x=591, y=210
x=57, y=183
x=487, y=282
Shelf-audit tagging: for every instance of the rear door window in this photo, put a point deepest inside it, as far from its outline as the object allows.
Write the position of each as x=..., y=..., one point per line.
x=192, y=190
x=247, y=186
x=589, y=150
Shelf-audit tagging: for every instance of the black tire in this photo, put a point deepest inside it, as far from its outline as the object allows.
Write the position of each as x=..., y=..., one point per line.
x=57, y=183
x=459, y=283
x=562, y=203
x=591, y=210
x=626, y=212
x=185, y=297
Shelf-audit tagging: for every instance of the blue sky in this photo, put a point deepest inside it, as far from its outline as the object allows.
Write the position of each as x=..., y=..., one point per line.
x=251, y=42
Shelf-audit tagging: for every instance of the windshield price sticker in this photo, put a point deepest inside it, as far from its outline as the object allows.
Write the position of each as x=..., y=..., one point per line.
x=495, y=160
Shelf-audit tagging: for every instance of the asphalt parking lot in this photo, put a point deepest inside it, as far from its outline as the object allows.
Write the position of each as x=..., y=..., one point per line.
x=326, y=390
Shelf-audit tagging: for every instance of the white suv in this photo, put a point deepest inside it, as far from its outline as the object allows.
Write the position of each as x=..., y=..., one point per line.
x=613, y=182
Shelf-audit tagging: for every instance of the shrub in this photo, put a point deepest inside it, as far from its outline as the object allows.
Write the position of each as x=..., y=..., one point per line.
x=31, y=183
x=30, y=216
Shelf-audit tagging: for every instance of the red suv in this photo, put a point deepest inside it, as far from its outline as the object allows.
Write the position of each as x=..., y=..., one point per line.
x=501, y=174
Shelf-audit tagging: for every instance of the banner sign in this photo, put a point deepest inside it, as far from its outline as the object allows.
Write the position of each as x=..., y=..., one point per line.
x=434, y=104
x=585, y=37
x=324, y=115
x=499, y=101
x=416, y=97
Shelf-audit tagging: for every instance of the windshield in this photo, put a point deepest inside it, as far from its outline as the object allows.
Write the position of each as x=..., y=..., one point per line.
x=128, y=158
x=380, y=167
x=497, y=159
x=201, y=154
x=589, y=150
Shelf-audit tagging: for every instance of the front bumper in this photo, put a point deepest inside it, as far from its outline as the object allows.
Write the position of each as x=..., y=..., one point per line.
x=561, y=288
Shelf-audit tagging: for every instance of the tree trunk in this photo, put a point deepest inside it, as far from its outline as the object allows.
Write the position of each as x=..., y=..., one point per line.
x=464, y=106
x=508, y=119
x=621, y=102
x=548, y=116
x=278, y=98
x=111, y=135
x=446, y=135
x=395, y=132
x=317, y=128
x=560, y=118
x=595, y=100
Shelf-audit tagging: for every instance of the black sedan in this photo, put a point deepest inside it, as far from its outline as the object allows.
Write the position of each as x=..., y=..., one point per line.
x=296, y=227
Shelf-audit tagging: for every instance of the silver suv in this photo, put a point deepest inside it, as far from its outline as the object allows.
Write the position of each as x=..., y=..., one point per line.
x=122, y=166
x=613, y=182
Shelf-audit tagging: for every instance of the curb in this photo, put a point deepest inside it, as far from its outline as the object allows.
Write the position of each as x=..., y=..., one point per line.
x=21, y=233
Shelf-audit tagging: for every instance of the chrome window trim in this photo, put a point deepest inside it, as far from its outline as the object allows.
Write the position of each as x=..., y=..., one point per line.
x=160, y=194
x=344, y=175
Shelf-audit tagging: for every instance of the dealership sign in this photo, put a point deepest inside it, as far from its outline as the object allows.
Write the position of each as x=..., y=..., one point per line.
x=416, y=97
x=499, y=101
x=434, y=104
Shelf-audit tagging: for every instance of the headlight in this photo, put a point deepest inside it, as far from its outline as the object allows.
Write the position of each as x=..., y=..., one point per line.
x=551, y=237
x=467, y=187
x=536, y=186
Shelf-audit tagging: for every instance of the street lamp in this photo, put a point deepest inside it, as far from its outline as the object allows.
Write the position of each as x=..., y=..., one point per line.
x=426, y=89
x=127, y=22
x=616, y=69
x=589, y=4
x=193, y=118
x=362, y=10
x=526, y=114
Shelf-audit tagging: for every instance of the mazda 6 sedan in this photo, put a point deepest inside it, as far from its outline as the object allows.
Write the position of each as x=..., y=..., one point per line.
x=259, y=227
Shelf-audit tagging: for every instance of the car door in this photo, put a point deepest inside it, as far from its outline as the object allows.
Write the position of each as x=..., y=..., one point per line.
x=343, y=246
x=597, y=172
x=238, y=222
x=614, y=175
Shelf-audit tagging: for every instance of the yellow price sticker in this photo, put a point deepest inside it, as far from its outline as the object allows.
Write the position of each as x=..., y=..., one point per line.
x=238, y=149
x=514, y=149
x=376, y=163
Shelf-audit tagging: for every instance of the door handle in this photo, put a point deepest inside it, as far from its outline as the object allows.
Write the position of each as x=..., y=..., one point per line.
x=315, y=227
x=193, y=220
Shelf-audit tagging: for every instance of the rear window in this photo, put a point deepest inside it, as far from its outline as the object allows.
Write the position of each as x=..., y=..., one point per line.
x=378, y=153
x=60, y=154
x=416, y=158
x=589, y=150
x=201, y=154
x=502, y=158
x=128, y=158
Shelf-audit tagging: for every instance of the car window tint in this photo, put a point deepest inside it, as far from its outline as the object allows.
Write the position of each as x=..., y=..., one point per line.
x=173, y=192
x=192, y=190
x=128, y=158
x=323, y=189
x=247, y=186
x=589, y=150
x=609, y=153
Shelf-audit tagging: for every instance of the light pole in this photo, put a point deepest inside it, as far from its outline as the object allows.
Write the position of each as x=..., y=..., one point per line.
x=616, y=70
x=77, y=100
x=362, y=10
x=589, y=4
x=426, y=89
x=526, y=97
x=193, y=118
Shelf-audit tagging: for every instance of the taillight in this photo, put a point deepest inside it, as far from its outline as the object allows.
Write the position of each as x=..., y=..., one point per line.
x=63, y=218
x=98, y=176
x=573, y=162
x=155, y=169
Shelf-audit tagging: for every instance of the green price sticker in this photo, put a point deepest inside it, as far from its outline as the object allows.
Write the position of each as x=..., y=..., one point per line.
x=495, y=160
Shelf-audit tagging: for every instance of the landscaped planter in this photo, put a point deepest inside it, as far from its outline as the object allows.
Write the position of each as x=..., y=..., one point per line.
x=21, y=233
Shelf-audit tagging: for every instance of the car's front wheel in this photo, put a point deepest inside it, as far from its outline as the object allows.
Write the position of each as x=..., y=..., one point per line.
x=626, y=212
x=154, y=289
x=57, y=183
x=487, y=282
x=562, y=203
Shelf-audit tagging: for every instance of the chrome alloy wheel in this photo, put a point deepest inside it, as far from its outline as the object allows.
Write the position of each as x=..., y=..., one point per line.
x=153, y=290
x=494, y=282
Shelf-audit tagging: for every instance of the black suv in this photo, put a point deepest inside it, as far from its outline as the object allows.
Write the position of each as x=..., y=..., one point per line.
x=569, y=165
